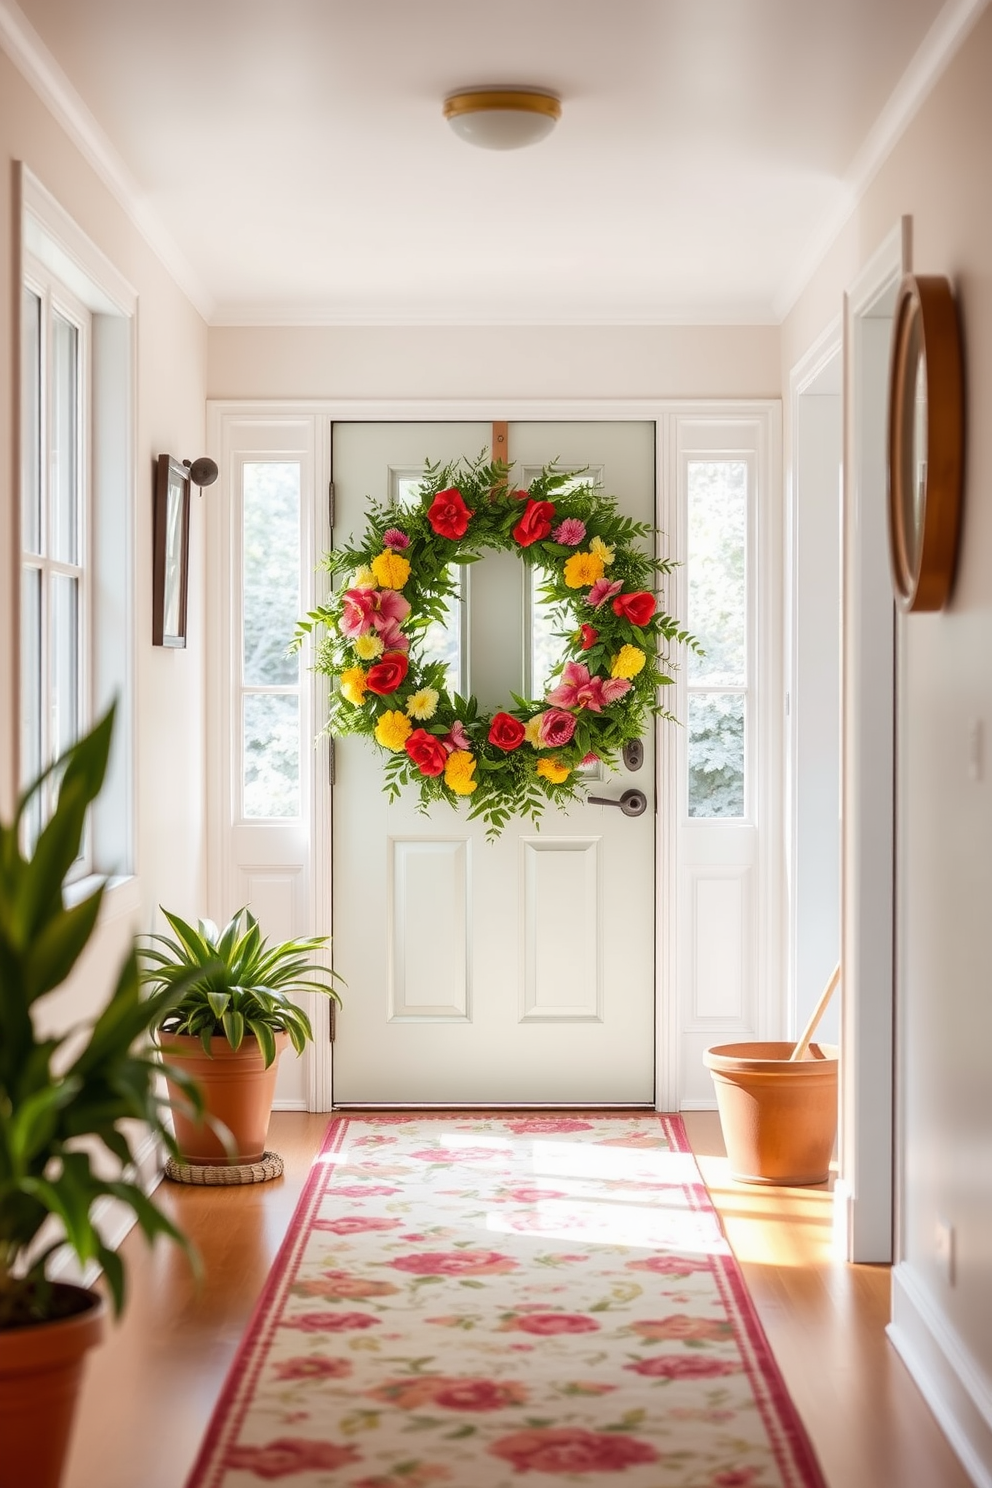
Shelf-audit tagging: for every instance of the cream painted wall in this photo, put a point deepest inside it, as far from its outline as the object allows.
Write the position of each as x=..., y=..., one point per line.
x=509, y=362
x=939, y=174
x=171, y=391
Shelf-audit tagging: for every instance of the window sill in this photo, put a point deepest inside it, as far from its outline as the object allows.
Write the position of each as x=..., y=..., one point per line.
x=122, y=895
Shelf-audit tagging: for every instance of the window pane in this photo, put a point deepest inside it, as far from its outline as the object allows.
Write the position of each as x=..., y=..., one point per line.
x=30, y=675
x=31, y=422
x=443, y=638
x=546, y=644
x=64, y=663
x=271, y=754
x=716, y=754
x=271, y=578
x=64, y=441
x=716, y=569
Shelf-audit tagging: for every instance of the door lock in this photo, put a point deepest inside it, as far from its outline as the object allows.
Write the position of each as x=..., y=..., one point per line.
x=633, y=754
x=631, y=803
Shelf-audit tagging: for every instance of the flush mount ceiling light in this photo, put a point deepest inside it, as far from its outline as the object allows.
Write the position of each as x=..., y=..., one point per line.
x=502, y=118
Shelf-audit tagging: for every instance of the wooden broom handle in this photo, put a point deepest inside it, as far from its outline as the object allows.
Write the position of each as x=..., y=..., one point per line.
x=799, y=1052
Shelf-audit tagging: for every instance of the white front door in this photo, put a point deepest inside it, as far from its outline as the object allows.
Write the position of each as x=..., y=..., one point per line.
x=520, y=972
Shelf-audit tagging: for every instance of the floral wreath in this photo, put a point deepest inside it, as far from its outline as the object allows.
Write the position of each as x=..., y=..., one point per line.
x=616, y=639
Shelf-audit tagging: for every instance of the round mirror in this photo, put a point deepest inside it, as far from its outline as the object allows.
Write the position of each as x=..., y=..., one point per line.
x=925, y=443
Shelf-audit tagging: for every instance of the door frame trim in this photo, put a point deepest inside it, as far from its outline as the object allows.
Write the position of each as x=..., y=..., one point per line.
x=661, y=412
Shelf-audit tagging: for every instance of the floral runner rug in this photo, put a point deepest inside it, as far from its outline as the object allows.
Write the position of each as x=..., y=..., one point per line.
x=480, y=1301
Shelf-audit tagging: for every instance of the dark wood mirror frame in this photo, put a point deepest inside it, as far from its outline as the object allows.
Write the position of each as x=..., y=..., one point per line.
x=925, y=443
x=170, y=559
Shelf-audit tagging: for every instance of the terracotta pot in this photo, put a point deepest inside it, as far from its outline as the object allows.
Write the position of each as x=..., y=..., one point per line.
x=237, y=1090
x=779, y=1119
x=41, y=1369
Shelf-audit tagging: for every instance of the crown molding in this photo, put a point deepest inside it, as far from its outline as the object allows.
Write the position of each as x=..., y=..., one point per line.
x=40, y=70
x=248, y=315
x=942, y=41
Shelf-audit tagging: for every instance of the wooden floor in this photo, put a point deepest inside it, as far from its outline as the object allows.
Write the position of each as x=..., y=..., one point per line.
x=151, y=1387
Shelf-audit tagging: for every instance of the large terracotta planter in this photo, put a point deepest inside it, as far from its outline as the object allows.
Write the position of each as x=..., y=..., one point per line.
x=779, y=1119
x=237, y=1090
x=41, y=1369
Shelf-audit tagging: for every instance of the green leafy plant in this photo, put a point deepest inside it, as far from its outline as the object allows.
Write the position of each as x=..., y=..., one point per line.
x=65, y=1102
x=234, y=982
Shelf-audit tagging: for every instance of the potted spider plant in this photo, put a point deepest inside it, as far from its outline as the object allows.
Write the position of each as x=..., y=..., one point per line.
x=69, y=1108
x=233, y=1020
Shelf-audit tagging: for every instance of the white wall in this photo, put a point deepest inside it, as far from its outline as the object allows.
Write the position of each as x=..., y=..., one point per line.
x=938, y=172
x=170, y=416
x=509, y=362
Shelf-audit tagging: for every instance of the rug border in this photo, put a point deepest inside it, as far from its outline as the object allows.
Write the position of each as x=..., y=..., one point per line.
x=789, y=1439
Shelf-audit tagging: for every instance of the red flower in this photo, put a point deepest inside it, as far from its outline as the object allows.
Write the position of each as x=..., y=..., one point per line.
x=535, y=522
x=448, y=514
x=313, y=1366
x=364, y=1190
x=572, y=1450
x=590, y=635
x=388, y=673
x=331, y=1322
x=427, y=752
x=683, y=1366
x=532, y=1195
x=455, y=1263
x=547, y=1324
x=637, y=608
x=506, y=732
x=288, y=1455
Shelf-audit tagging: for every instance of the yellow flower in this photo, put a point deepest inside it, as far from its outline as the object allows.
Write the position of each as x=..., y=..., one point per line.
x=364, y=578
x=393, y=730
x=353, y=685
x=628, y=662
x=602, y=550
x=391, y=569
x=583, y=569
x=369, y=646
x=530, y=730
x=458, y=773
x=553, y=770
x=423, y=704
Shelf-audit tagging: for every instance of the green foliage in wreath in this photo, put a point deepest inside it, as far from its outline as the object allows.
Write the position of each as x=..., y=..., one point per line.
x=617, y=641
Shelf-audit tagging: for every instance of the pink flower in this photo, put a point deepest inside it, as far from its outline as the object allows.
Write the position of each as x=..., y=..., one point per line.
x=735, y=1477
x=549, y=1124
x=363, y=608
x=601, y=591
x=392, y=636
x=590, y=758
x=547, y=1324
x=567, y=1450
x=555, y=728
x=531, y=1195
x=457, y=1154
x=395, y=539
x=479, y=1395
x=456, y=737
x=355, y=1224
x=288, y=1455
x=669, y=1265
x=679, y=1325
x=569, y=533
x=313, y=1366
x=455, y=1263
x=578, y=689
x=365, y=1190
x=331, y=1322
x=683, y=1366
x=614, y=688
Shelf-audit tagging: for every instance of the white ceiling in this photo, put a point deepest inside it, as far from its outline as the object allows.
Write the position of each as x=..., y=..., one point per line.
x=296, y=153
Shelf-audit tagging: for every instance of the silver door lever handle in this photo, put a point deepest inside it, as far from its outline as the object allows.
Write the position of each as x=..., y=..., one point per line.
x=631, y=803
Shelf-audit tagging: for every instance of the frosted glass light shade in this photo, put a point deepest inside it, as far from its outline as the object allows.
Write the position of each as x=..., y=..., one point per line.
x=502, y=118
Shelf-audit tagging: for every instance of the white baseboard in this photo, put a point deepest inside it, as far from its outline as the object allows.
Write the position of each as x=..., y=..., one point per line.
x=289, y=1103
x=698, y=1105
x=950, y=1381
x=112, y=1217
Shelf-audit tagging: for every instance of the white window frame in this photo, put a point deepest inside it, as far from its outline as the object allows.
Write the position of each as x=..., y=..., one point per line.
x=56, y=300
x=55, y=251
